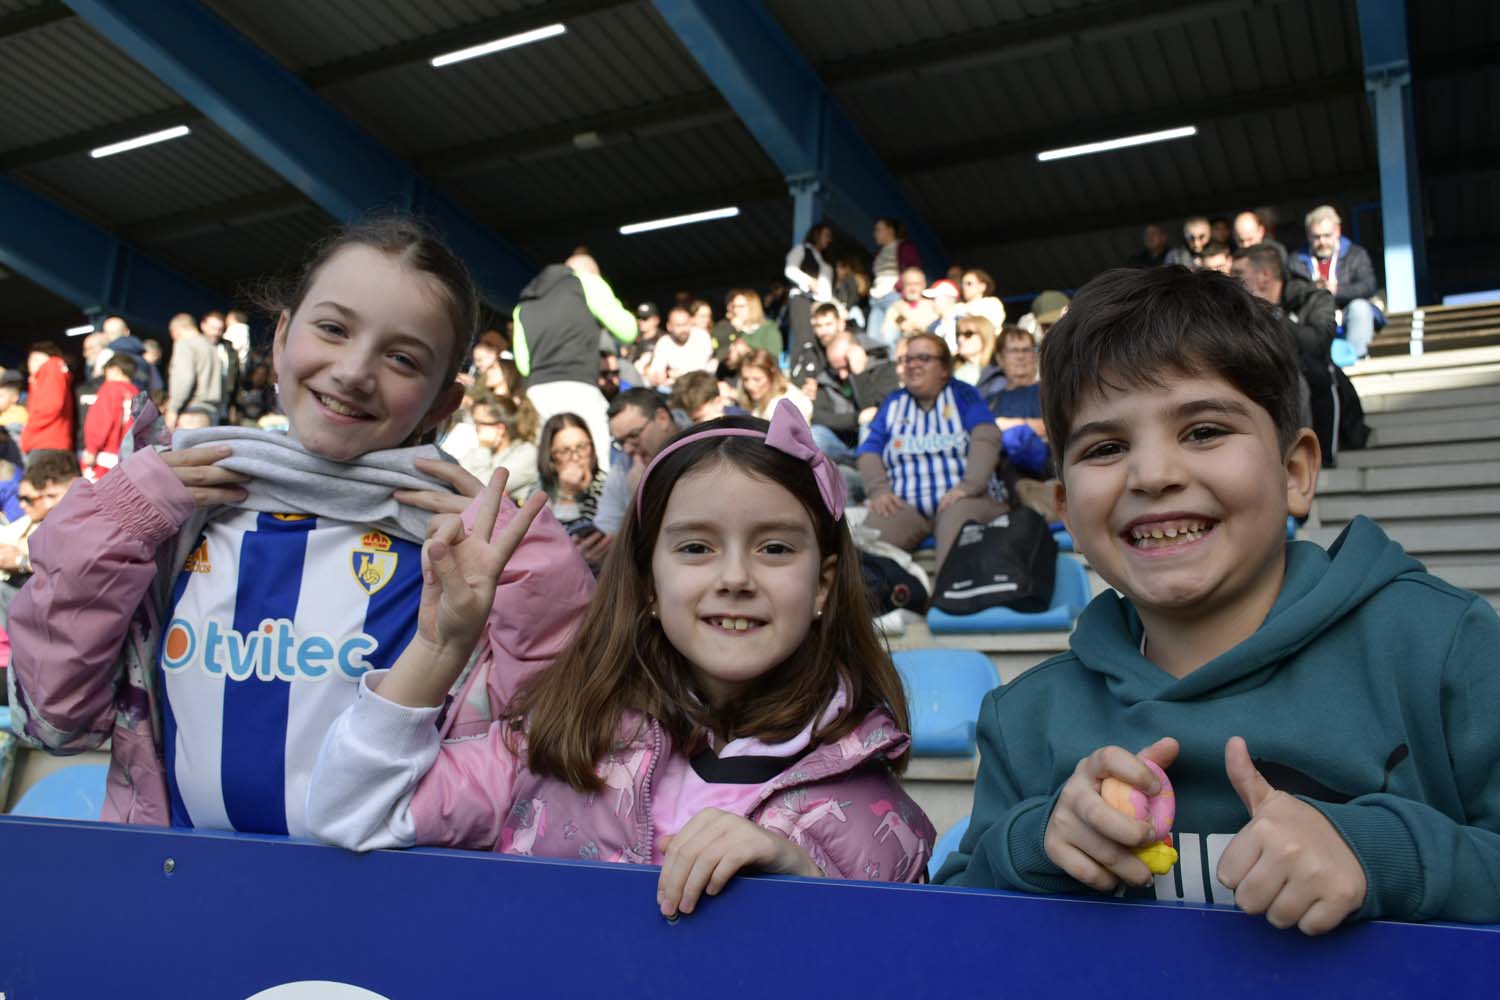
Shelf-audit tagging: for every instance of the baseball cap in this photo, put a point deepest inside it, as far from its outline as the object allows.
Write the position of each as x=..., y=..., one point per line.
x=1048, y=307
x=646, y=310
x=942, y=286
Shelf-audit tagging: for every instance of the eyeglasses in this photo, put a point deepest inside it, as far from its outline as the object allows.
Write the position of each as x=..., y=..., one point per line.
x=631, y=438
x=578, y=452
x=918, y=359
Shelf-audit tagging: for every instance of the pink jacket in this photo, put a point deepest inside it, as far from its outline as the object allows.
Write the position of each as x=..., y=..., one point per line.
x=86, y=629
x=384, y=779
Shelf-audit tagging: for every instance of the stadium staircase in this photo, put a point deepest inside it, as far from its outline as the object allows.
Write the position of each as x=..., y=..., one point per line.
x=1430, y=475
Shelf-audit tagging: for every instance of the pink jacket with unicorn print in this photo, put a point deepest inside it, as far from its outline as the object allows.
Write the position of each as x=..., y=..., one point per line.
x=385, y=779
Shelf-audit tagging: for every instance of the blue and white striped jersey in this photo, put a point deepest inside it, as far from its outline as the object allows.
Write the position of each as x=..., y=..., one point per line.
x=924, y=451
x=274, y=619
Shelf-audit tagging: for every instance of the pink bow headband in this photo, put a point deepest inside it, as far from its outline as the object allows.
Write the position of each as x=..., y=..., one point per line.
x=788, y=433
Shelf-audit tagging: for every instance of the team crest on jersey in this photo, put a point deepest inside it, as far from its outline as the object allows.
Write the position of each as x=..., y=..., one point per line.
x=373, y=562
x=197, y=561
x=291, y=517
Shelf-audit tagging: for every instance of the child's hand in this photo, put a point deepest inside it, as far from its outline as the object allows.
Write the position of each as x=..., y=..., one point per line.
x=460, y=571
x=209, y=484
x=1090, y=840
x=713, y=847
x=464, y=488
x=1288, y=862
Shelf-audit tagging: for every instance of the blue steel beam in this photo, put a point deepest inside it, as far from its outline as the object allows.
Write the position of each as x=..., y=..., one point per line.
x=1387, y=65
x=287, y=126
x=81, y=263
x=784, y=104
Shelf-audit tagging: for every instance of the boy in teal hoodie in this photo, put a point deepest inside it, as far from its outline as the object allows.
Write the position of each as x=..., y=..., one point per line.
x=1330, y=721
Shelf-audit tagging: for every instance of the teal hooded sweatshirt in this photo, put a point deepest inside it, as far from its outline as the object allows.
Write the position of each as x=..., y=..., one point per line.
x=1371, y=691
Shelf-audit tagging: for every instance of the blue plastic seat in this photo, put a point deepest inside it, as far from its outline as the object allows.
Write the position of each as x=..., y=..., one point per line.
x=944, y=688
x=1070, y=595
x=73, y=792
x=1063, y=539
x=946, y=845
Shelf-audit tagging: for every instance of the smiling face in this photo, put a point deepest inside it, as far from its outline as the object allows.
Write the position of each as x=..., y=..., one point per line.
x=1179, y=496
x=924, y=367
x=737, y=584
x=362, y=364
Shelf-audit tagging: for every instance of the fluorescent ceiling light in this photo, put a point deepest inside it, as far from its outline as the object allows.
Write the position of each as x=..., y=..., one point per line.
x=141, y=140
x=79, y=331
x=500, y=44
x=679, y=220
x=1122, y=143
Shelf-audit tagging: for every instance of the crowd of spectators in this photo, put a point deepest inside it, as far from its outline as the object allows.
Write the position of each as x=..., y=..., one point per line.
x=920, y=387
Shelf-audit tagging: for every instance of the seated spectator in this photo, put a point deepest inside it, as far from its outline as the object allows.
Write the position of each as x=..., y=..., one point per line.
x=1020, y=402
x=702, y=397
x=827, y=323
x=1344, y=270
x=1046, y=309
x=48, y=475
x=1153, y=252
x=685, y=348
x=976, y=355
x=744, y=329
x=648, y=330
x=568, y=470
x=702, y=314
x=641, y=423
x=109, y=417
x=978, y=291
x=1306, y=312
x=483, y=355
x=851, y=388
x=896, y=255
x=504, y=428
x=610, y=374
x=1220, y=231
x=944, y=296
x=913, y=312
x=928, y=464
x=12, y=413
x=196, y=416
x=762, y=386
x=1251, y=229
x=257, y=395
x=1218, y=257
x=1195, y=236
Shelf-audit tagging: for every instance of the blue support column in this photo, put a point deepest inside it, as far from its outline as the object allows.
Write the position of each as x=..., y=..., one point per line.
x=1382, y=30
x=286, y=125
x=784, y=104
x=81, y=263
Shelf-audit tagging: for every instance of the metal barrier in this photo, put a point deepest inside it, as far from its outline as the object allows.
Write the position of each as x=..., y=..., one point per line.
x=95, y=910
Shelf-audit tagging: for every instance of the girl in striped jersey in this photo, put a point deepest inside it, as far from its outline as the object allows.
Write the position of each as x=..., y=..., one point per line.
x=210, y=608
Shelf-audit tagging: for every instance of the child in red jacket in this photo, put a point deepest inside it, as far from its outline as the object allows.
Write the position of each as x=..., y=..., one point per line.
x=107, y=419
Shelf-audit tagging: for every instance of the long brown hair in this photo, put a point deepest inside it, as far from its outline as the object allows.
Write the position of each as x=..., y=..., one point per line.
x=620, y=660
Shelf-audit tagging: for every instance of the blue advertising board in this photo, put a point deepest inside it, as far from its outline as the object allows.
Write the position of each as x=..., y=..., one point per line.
x=94, y=910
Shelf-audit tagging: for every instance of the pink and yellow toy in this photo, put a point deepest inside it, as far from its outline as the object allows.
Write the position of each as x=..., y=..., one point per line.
x=1159, y=810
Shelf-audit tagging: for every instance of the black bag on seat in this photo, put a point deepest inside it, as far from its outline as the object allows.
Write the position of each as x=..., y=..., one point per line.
x=890, y=586
x=1011, y=562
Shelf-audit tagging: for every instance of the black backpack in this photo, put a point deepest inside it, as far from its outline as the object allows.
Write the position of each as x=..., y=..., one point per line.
x=890, y=586
x=1011, y=562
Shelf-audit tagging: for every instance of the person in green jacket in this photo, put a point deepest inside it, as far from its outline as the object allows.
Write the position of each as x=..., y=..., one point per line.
x=1327, y=718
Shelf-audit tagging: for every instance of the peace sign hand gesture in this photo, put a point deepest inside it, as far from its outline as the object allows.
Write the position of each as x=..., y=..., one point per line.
x=460, y=571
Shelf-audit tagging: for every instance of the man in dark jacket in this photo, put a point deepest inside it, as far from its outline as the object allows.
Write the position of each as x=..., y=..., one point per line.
x=1345, y=270
x=850, y=391
x=1307, y=312
x=556, y=341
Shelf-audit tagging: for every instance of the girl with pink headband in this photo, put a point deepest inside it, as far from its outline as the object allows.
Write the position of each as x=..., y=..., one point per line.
x=725, y=704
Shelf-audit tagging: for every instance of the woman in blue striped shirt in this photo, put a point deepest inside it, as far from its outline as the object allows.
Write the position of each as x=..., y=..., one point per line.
x=929, y=461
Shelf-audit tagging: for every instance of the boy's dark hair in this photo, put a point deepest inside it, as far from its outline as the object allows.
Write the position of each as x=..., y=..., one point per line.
x=124, y=363
x=648, y=401
x=51, y=465
x=1262, y=257
x=1132, y=328
x=1213, y=248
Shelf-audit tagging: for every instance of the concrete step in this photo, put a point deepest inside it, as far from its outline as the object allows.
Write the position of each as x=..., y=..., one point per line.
x=1385, y=479
x=1433, y=454
x=1399, y=364
x=1378, y=384
x=1382, y=507
x=1434, y=415
x=1434, y=433
x=1415, y=402
x=1423, y=538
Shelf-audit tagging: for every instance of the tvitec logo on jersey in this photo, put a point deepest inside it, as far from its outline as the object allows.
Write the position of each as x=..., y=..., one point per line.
x=274, y=652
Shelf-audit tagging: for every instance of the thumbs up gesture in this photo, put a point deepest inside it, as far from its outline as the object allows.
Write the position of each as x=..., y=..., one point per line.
x=1288, y=862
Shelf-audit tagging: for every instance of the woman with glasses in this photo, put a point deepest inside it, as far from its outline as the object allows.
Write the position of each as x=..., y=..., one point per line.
x=928, y=463
x=569, y=470
x=976, y=352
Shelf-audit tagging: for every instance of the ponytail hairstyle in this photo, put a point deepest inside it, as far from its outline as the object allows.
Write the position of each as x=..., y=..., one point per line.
x=620, y=660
